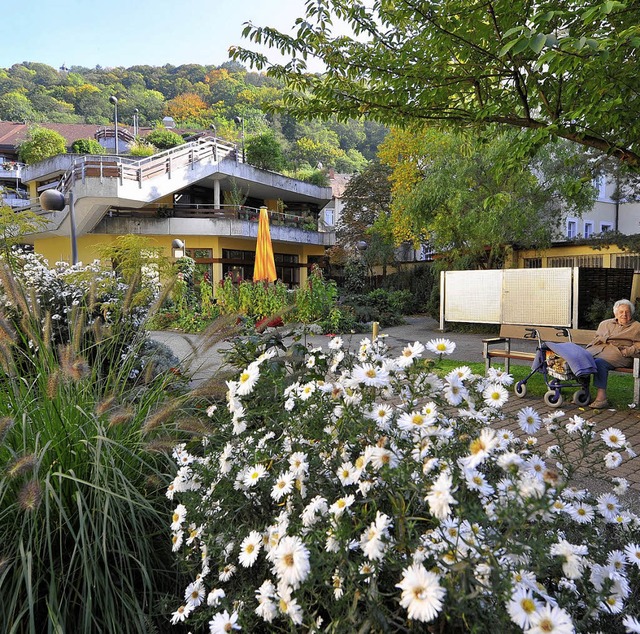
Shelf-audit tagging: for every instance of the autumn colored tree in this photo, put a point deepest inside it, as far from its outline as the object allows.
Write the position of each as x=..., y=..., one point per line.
x=468, y=196
x=185, y=107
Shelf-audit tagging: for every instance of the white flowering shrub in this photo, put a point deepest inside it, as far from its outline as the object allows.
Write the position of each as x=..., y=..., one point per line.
x=88, y=306
x=365, y=494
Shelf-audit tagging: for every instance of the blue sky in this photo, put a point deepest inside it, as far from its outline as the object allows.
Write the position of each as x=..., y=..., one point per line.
x=128, y=32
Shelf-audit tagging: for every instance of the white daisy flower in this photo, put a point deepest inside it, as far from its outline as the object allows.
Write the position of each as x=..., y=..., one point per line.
x=551, y=620
x=381, y=414
x=572, y=556
x=289, y=605
x=227, y=572
x=299, y=463
x=439, y=496
x=612, y=459
x=341, y=505
x=495, y=395
x=249, y=549
x=291, y=561
x=575, y=424
x=215, y=596
x=409, y=353
x=608, y=506
x=455, y=391
x=267, y=608
x=631, y=624
x=441, y=346
x=283, y=486
x=194, y=593
x=348, y=474
x=581, y=512
x=248, y=379
x=211, y=409
x=314, y=510
x=253, y=475
x=223, y=623
x=335, y=343
x=422, y=593
x=181, y=614
x=374, y=540
x=521, y=606
x=632, y=551
x=370, y=375
x=498, y=375
x=529, y=420
x=178, y=517
x=613, y=438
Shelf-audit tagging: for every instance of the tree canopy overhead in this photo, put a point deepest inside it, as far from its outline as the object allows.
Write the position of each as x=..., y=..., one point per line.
x=563, y=68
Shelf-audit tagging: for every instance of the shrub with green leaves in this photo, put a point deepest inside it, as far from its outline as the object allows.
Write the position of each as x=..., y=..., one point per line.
x=87, y=146
x=341, y=492
x=253, y=299
x=164, y=139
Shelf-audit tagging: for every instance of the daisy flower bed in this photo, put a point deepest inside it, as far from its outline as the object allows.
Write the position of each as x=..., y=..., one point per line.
x=359, y=492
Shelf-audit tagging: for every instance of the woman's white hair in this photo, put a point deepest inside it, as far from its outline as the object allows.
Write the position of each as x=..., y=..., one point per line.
x=624, y=302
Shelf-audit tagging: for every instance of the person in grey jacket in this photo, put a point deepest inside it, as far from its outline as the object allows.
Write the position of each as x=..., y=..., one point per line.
x=616, y=342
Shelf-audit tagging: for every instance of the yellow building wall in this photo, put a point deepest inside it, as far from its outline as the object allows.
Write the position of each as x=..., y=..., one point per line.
x=58, y=249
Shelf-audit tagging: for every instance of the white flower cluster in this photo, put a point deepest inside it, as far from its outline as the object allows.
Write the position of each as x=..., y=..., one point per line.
x=371, y=487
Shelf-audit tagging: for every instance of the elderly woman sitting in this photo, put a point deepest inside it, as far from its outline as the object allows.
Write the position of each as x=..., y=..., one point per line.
x=617, y=341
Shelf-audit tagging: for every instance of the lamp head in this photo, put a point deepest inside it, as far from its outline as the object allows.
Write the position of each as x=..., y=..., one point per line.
x=237, y=120
x=177, y=244
x=52, y=200
x=113, y=99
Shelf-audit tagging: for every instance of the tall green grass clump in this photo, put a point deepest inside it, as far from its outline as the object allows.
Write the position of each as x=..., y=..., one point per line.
x=82, y=506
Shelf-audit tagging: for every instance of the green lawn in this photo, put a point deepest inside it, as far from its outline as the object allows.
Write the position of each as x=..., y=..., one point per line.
x=619, y=390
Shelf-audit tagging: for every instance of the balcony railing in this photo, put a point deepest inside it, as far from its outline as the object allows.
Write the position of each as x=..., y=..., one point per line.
x=229, y=212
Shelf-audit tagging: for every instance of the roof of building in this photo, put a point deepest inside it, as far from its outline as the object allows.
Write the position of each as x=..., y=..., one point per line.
x=12, y=133
x=338, y=183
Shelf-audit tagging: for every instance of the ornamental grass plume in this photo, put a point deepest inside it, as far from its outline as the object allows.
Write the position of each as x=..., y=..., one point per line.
x=361, y=492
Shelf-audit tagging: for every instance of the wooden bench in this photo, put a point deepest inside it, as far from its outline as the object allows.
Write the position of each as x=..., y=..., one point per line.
x=501, y=347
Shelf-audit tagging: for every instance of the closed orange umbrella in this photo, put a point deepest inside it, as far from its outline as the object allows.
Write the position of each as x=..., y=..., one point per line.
x=265, y=266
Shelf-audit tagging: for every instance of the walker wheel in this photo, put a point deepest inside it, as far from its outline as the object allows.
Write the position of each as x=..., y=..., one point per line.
x=520, y=389
x=553, y=398
x=582, y=398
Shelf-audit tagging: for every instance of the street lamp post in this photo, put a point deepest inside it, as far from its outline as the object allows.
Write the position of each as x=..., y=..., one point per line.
x=178, y=248
x=240, y=121
x=54, y=200
x=135, y=122
x=114, y=101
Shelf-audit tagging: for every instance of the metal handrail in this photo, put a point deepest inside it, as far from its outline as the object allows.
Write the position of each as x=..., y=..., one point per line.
x=188, y=154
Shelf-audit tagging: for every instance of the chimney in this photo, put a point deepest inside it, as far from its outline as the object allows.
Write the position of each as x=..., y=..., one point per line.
x=332, y=173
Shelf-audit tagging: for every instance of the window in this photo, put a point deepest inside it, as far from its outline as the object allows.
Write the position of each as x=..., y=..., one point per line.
x=588, y=228
x=533, y=263
x=605, y=226
x=239, y=266
x=328, y=216
x=572, y=229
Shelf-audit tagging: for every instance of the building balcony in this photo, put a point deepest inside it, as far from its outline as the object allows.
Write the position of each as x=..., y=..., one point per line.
x=204, y=219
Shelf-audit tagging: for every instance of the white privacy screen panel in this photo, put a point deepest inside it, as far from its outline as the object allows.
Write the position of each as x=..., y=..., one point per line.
x=541, y=297
x=473, y=296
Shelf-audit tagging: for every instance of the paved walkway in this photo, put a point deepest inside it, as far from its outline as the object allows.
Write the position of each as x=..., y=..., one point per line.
x=204, y=361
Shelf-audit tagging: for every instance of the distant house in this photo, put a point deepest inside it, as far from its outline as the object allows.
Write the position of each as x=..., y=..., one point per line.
x=199, y=193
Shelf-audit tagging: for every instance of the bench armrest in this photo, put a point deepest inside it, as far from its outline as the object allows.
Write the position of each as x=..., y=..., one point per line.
x=493, y=340
x=487, y=343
